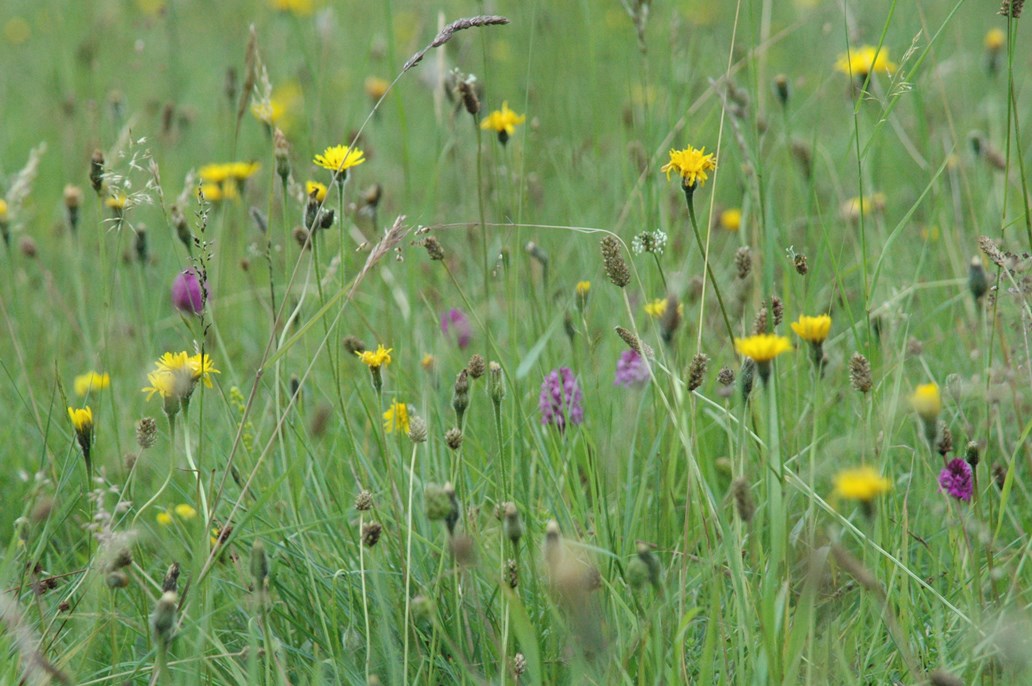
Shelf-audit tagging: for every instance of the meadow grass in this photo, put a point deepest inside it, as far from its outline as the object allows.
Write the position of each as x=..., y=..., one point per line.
x=502, y=417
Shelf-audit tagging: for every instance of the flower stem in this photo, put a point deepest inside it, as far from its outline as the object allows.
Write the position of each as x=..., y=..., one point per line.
x=709, y=270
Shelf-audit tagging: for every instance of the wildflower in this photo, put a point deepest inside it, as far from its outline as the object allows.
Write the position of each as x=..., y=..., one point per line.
x=583, y=289
x=995, y=39
x=396, y=418
x=176, y=375
x=761, y=349
x=376, y=88
x=956, y=480
x=503, y=121
x=864, y=60
x=381, y=357
x=496, y=383
x=863, y=484
x=187, y=296
x=82, y=422
x=630, y=370
x=649, y=241
x=117, y=204
x=731, y=219
x=978, y=283
x=927, y=402
x=315, y=191
x=656, y=308
x=561, y=399
x=418, y=431
x=72, y=200
x=852, y=209
x=87, y=383
x=338, y=159
x=455, y=320
x=163, y=518
x=692, y=164
x=4, y=222
x=814, y=330
x=477, y=366
x=184, y=511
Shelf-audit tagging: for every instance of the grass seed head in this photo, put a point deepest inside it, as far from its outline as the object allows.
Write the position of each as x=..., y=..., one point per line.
x=860, y=373
x=613, y=261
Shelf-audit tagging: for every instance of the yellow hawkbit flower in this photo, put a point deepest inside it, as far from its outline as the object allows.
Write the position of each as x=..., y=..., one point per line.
x=91, y=381
x=163, y=518
x=201, y=368
x=212, y=192
x=300, y=8
x=316, y=190
x=762, y=347
x=375, y=87
x=427, y=362
x=927, y=401
x=214, y=173
x=692, y=164
x=118, y=202
x=583, y=288
x=185, y=511
x=242, y=171
x=656, y=308
x=864, y=60
x=503, y=122
x=3, y=210
x=863, y=484
x=381, y=357
x=162, y=383
x=852, y=209
x=396, y=418
x=995, y=40
x=82, y=420
x=731, y=219
x=812, y=329
x=339, y=158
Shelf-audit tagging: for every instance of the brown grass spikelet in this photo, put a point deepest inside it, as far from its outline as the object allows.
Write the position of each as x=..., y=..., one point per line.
x=697, y=370
x=371, y=532
x=991, y=250
x=941, y=677
x=634, y=343
x=744, y=505
x=671, y=319
x=433, y=248
x=1012, y=8
x=613, y=261
x=445, y=35
x=743, y=261
x=860, y=373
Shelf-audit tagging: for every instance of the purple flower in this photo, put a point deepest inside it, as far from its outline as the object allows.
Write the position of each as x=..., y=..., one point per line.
x=455, y=320
x=956, y=480
x=631, y=370
x=186, y=292
x=561, y=399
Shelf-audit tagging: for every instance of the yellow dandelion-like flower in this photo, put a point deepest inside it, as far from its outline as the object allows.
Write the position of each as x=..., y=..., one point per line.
x=692, y=164
x=927, y=401
x=340, y=158
x=201, y=368
x=396, y=418
x=185, y=511
x=3, y=210
x=864, y=60
x=163, y=518
x=116, y=202
x=243, y=170
x=212, y=192
x=763, y=347
x=583, y=288
x=853, y=208
x=163, y=383
x=214, y=173
x=995, y=40
x=863, y=484
x=375, y=87
x=91, y=381
x=656, y=308
x=427, y=362
x=503, y=122
x=731, y=219
x=812, y=329
x=299, y=8
x=314, y=189
x=381, y=357
x=82, y=419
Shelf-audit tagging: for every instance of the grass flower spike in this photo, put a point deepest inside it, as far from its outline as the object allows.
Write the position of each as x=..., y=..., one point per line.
x=90, y=382
x=82, y=422
x=762, y=349
x=692, y=164
x=338, y=159
x=503, y=121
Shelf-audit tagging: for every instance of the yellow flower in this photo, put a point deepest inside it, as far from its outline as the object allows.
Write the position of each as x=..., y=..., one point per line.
x=812, y=329
x=281, y=107
x=317, y=188
x=91, y=381
x=927, y=401
x=176, y=374
x=692, y=164
x=212, y=192
x=116, y=202
x=396, y=418
x=375, y=87
x=163, y=383
x=214, y=173
x=163, y=518
x=656, y=308
x=340, y=158
x=865, y=59
x=82, y=420
x=763, y=347
x=375, y=360
x=583, y=288
x=863, y=484
x=427, y=362
x=185, y=511
x=995, y=40
x=242, y=170
x=3, y=210
x=300, y=8
x=854, y=207
x=731, y=220
x=503, y=121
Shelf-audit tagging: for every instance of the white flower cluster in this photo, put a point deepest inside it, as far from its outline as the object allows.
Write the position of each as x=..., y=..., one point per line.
x=649, y=241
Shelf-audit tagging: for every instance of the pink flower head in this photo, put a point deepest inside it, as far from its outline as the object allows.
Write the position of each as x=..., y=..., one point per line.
x=561, y=399
x=956, y=480
x=455, y=320
x=186, y=292
x=631, y=370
